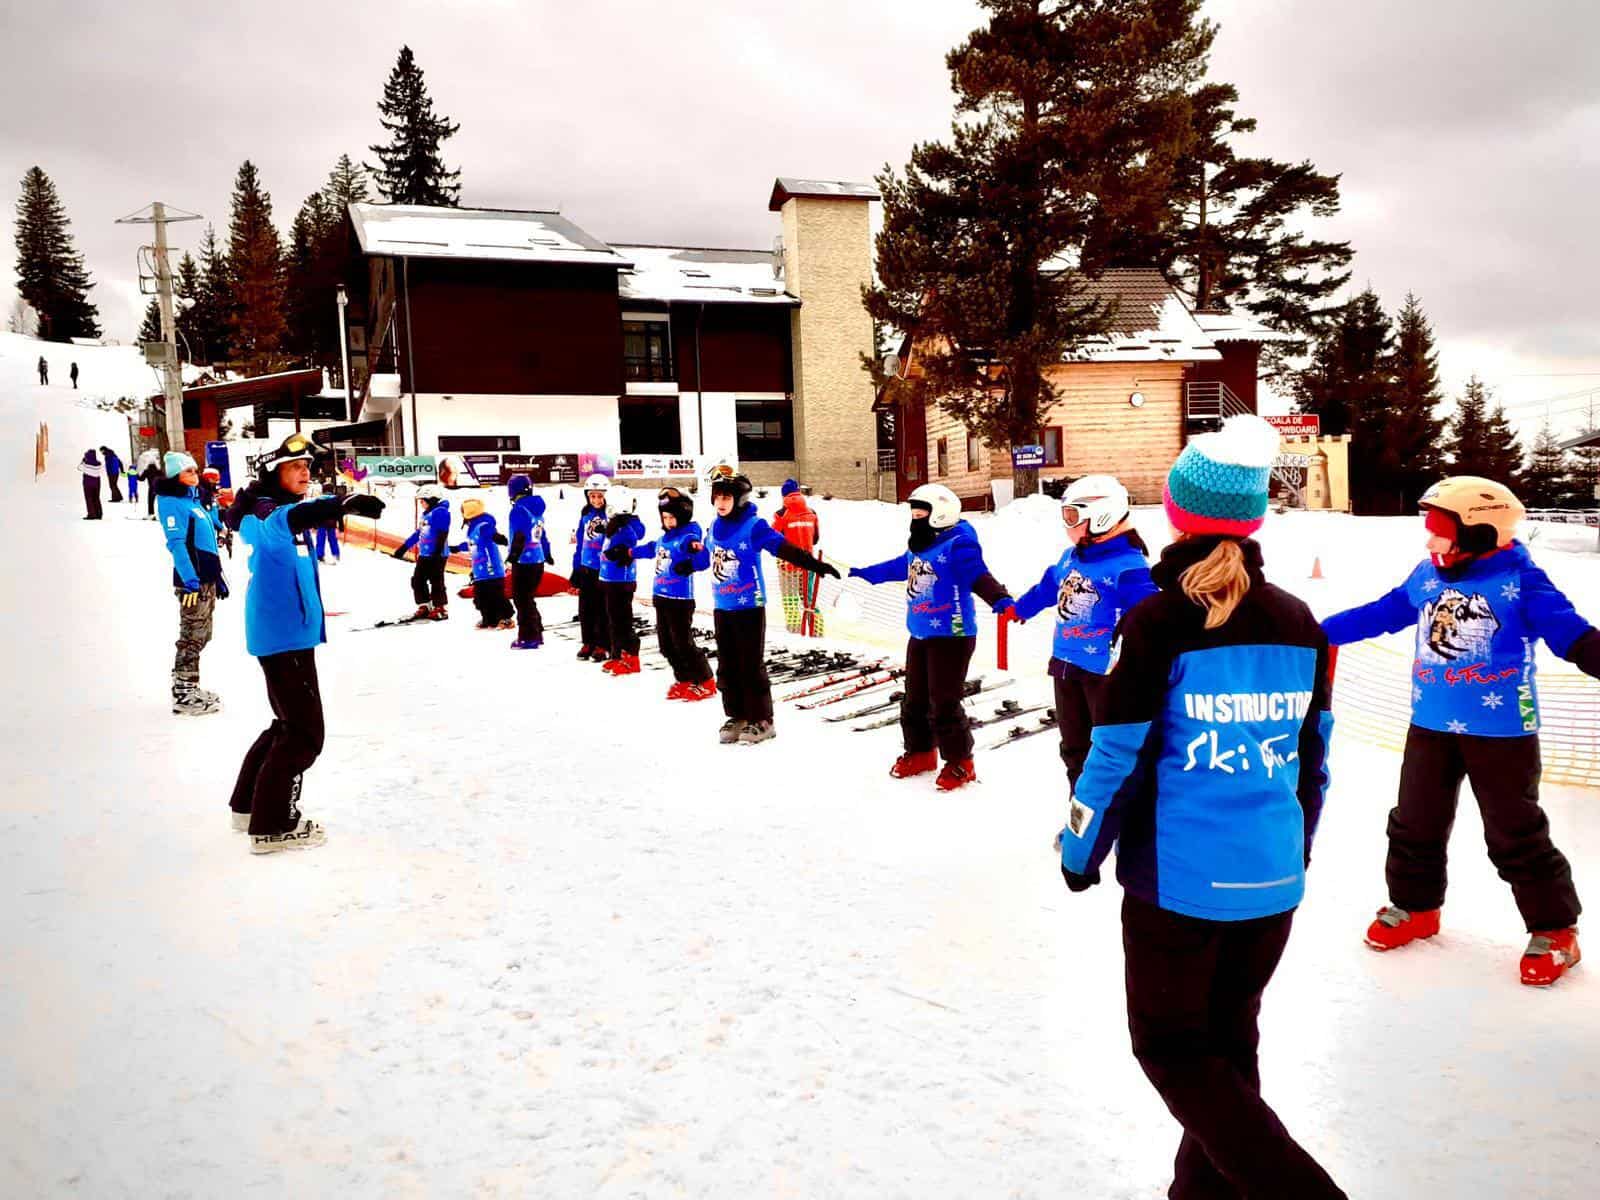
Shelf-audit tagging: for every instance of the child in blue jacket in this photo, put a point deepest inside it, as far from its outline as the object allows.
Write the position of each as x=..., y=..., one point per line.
x=1102, y=575
x=672, y=594
x=594, y=633
x=529, y=555
x=431, y=539
x=942, y=569
x=1478, y=605
x=488, y=568
x=619, y=579
x=191, y=531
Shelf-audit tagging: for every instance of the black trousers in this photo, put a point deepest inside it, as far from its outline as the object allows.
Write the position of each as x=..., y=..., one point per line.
x=1504, y=772
x=490, y=599
x=150, y=478
x=619, y=618
x=593, y=626
x=268, y=787
x=742, y=663
x=675, y=634
x=525, y=580
x=91, y=498
x=114, y=482
x=1194, y=993
x=427, y=581
x=931, y=712
x=1079, y=694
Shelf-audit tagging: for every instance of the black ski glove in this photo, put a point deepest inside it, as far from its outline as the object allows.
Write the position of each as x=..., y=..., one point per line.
x=1585, y=653
x=400, y=553
x=797, y=556
x=683, y=567
x=620, y=555
x=1080, y=883
x=363, y=506
x=500, y=540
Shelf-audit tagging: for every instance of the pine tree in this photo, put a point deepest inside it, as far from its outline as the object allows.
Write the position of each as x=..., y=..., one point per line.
x=347, y=185
x=309, y=283
x=1584, y=476
x=1503, y=456
x=1481, y=441
x=150, y=327
x=1547, y=483
x=50, y=272
x=213, y=308
x=255, y=273
x=1412, y=431
x=1067, y=114
x=410, y=168
x=186, y=289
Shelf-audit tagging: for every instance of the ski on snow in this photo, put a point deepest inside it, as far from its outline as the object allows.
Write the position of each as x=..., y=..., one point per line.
x=1017, y=732
x=865, y=683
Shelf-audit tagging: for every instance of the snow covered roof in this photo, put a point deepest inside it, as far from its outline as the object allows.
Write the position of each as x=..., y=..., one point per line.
x=1150, y=322
x=692, y=275
x=506, y=235
x=787, y=186
x=1238, y=327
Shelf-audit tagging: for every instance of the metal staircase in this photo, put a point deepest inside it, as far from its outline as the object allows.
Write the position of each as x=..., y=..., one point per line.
x=1206, y=403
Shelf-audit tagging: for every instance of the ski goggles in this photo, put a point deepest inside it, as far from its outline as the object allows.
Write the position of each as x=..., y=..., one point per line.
x=722, y=472
x=669, y=493
x=1071, y=514
x=297, y=447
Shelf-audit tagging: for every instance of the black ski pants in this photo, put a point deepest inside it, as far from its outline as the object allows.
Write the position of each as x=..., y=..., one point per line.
x=624, y=639
x=268, y=787
x=91, y=498
x=427, y=581
x=1504, y=773
x=593, y=627
x=675, y=634
x=1079, y=695
x=114, y=482
x=1194, y=993
x=490, y=599
x=742, y=663
x=931, y=712
x=525, y=580
x=151, y=477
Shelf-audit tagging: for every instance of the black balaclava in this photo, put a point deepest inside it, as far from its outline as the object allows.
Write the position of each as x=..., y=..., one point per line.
x=922, y=532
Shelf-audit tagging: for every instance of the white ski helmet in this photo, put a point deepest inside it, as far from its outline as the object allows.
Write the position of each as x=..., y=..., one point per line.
x=1098, y=499
x=619, y=499
x=430, y=491
x=596, y=483
x=944, y=505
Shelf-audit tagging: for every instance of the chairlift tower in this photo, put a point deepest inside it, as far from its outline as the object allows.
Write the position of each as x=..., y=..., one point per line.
x=163, y=355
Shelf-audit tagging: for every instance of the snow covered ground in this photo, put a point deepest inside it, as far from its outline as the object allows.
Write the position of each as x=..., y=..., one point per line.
x=560, y=943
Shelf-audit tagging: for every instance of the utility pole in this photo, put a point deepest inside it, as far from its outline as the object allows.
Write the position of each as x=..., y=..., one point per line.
x=163, y=355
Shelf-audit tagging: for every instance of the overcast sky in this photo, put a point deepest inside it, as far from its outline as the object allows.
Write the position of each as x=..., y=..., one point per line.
x=1467, y=131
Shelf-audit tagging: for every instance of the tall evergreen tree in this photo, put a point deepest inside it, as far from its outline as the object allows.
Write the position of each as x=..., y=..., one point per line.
x=50, y=272
x=347, y=185
x=150, y=327
x=255, y=272
x=1067, y=113
x=410, y=167
x=1481, y=440
x=1410, y=451
x=1547, y=482
x=212, y=315
x=186, y=287
x=310, y=279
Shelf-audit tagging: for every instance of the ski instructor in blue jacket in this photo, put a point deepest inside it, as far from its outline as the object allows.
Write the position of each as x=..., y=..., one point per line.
x=284, y=625
x=1207, y=769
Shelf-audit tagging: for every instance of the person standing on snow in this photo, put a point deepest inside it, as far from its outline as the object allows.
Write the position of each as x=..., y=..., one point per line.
x=619, y=579
x=942, y=568
x=529, y=555
x=44, y=372
x=150, y=472
x=74, y=374
x=133, y=484
x=113, y=466
x=191, y=532
x=284, y=624
x=488, y=568
x=1102, y=575
x=1478, y=604
x=737, y=539
x=800, y=528
x=432, y=541
x=1208, y=771
x=672, y=593
x=91, y=470
x=594, y=635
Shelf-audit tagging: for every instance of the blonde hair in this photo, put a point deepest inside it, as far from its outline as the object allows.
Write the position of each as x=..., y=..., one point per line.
x=1218, y=582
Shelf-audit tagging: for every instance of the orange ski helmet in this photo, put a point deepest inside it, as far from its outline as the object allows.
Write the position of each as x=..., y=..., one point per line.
x=1486, y=513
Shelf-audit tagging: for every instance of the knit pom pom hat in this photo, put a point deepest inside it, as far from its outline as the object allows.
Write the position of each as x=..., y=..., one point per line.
x=175, y=463
x=1219, y=483
x=789, y=486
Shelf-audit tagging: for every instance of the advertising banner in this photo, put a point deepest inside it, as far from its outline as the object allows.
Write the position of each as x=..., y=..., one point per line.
x=656, y=466
x=1296, y=424
x=1027, y=456
x=419, y=469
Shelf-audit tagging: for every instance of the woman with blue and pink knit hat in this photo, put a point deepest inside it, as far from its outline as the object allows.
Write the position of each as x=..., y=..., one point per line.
x=1207, y=771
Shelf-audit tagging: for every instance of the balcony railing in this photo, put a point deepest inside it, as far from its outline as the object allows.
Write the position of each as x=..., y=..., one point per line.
x=1207, y=402
x=644, y=369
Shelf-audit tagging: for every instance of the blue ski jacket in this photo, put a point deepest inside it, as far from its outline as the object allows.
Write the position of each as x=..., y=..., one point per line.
x=940, y=581
x=530, y=544
x=1090, y=587
x=483, y=541
x=1208, y=766
x=591, y=538
x=629, y=529
x=191, y=532
x=432, y=535
x=736, y=543
x=283, y=604
x=670, y=549
x=1476, y=623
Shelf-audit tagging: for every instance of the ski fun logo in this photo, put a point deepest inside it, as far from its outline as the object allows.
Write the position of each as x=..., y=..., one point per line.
x=724, y=564
x=1076, y=599
x=595, y=530
x=919, y=578
x=1207, y=749
x=1455, y=626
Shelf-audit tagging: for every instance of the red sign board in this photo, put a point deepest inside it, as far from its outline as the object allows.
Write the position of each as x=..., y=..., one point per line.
x=1296, y=424
x=147, y=431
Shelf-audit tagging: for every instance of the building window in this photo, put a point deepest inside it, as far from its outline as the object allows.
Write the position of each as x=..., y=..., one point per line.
x=765, y=430
x=487, y=442
x=649, y=425
x=974, y=453
x=646, y=352
x=943, y=449
x=1052, y=446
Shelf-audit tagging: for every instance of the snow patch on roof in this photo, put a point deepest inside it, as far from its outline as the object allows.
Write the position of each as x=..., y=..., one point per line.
x=1238, y=327
x=505, y=235
x=691, y=275
x=1149, y=322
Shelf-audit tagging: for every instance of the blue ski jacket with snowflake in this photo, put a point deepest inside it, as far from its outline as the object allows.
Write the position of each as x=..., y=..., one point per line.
x=432, y=535
x=940, y=581
x=627, y=536
x=283, y=604
x=191, y=531
x=526, y=523
x=481, y=540
x=591, y=538
x=670, y=549
x=1476, y=623
x=1208, y=765
x=1091, y=587
x=736, y=543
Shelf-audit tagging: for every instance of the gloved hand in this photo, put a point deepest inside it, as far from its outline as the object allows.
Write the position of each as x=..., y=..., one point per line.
x=1005, y=607
x=829, y=570
x=620, y=555
x=191, y=596
x=400, y=552
x=683, y=567
x=696, y=547
x=1080, y=883
x=363, y=506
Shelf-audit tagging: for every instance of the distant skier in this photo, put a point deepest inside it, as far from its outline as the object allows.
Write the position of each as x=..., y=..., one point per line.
x=133, y=484
x=44, y=372
x=74, y=374
x=942, y=569
x=798, y=588
x=150, y=472
x=1102, y=575
x=1208, y=772
x=529, y=555
x=191, y=532
x=1478, y=604
x=432, y=542
x=284, y=624
x=737, y=539
x=673, y=595
x=619, y=579
x=594, y=635
x=113, y=466
x=92, y=471
x=488, y=568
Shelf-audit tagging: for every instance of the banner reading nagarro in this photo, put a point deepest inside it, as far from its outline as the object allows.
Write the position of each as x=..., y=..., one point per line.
x=420, y=469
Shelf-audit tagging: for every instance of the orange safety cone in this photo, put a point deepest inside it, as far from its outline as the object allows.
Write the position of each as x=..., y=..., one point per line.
x=1316, y=567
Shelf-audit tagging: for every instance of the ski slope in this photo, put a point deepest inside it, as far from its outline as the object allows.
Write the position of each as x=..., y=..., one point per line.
x=560, y=943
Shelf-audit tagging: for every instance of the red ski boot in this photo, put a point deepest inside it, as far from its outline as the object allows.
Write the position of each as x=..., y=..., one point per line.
x=679, y=691
x=955, y=775
x=1550, y=952
x=1395, y=927
x=438, y=613
x=628, y=664
x=702, y=691
x=914, y=762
